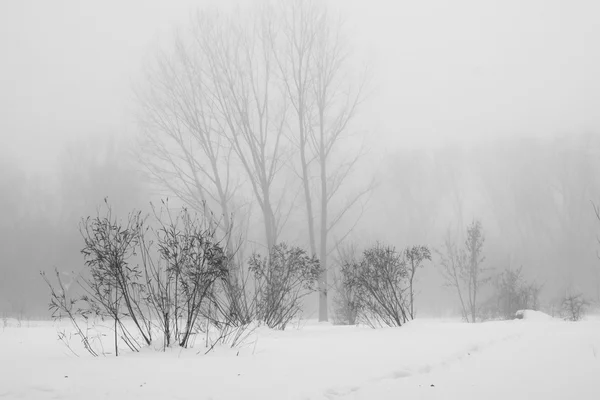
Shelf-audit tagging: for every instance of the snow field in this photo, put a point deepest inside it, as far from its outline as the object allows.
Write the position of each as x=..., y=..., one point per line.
x=534, y=358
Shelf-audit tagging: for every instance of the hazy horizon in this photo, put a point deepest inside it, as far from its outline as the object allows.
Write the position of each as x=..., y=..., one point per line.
x=463, y=86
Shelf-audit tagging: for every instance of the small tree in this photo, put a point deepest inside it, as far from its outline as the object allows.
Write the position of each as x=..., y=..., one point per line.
x=463, y=269
x=282, y=280
x=415, y=256
x=474, y=271
x=452, y=261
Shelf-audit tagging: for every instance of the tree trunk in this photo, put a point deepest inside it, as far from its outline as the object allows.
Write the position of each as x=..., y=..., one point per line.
x=323, y=314
x=307, y=198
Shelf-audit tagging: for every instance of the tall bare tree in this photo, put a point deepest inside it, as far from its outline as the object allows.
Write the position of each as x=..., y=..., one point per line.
x=236, y=95
x=214, y=110
x=314, y=61
x=463, y=269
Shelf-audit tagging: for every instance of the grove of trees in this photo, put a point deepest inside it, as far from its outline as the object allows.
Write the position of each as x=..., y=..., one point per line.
x=252, y=111
x=248, y=124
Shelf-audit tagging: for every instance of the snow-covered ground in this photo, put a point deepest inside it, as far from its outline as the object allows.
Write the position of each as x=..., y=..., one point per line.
x=533, y=358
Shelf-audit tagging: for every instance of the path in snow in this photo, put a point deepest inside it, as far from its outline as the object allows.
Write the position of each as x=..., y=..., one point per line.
x=548, y=361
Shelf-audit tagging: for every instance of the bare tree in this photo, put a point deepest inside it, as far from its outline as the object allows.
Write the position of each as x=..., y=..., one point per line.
x=474, y=270
x=239, y=94
x=314, y=63
x=213, y=109
x=452, y=262
x=463, y=269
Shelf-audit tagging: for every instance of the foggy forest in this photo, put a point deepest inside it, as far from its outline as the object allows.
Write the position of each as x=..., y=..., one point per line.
x=450, y=147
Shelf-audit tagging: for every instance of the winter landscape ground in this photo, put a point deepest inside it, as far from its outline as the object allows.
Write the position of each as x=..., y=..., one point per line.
x=535, y=358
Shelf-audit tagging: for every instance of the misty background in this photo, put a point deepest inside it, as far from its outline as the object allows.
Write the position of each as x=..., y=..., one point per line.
x=483, y=110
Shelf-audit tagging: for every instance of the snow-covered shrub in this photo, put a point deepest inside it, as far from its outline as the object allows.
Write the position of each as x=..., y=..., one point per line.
x=282, y=280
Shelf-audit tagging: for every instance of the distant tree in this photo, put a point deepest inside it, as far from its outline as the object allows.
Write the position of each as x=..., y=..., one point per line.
x=415, y=256
x=463, y=269
x=316, y=68
x=512, y=293
x=474, y=271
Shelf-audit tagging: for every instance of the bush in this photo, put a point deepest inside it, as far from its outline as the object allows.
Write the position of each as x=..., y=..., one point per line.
x=511, y=294
x=192, y=261
x=159, y=279
x=382, y=285
x=574, y=306
x=282, y=280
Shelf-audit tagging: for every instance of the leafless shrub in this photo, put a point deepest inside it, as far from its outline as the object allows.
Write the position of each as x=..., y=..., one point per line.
x=192, y=260
x=380, y=281
x=115, y=288
x=282, y=280
x=574, y=306
x=63, y=307
x=167, y=287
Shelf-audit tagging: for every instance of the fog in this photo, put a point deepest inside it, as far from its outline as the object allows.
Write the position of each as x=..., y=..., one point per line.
x=475, y=110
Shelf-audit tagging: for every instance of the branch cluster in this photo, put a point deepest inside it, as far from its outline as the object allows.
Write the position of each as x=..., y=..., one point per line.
x=381, y=284
x=149, y=282
x=463, y=270
x=512, y=292
x=282, y=280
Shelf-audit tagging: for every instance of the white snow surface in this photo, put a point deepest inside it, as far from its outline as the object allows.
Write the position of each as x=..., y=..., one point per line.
x=425, y=359
x=533, y=315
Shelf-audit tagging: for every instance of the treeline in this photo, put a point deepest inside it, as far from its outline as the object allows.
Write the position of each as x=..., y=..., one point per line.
x=534, y=196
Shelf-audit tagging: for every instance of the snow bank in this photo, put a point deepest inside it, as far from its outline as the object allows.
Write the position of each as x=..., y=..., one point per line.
x=532, y=315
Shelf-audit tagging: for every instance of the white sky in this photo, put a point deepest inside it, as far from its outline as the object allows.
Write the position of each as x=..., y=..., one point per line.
x=458, y=69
